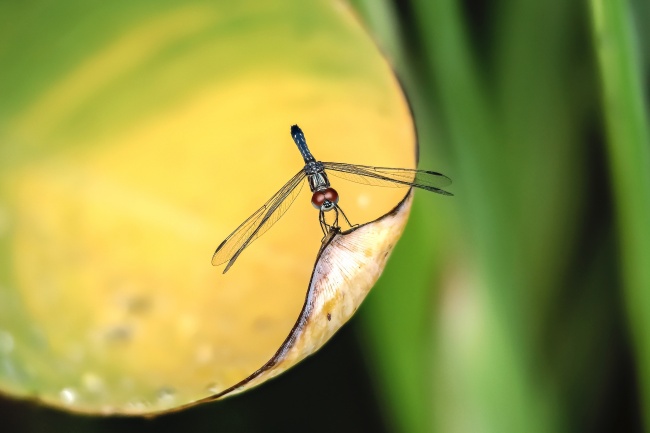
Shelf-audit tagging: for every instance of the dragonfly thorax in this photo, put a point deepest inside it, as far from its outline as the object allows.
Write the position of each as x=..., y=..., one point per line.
x=325, y=199
x=316, y=176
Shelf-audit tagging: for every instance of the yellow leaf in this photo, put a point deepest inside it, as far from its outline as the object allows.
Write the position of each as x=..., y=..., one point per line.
x=176, y=129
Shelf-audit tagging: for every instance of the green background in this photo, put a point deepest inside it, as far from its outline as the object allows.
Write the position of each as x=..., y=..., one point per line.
x=524, y=305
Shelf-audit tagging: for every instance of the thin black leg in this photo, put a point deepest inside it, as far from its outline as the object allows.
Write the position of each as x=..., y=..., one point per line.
x=323, y=224
x=345, y=216
x=336, y=218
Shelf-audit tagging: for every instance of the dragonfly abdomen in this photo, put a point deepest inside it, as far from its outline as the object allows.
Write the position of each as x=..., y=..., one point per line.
x=299, y=139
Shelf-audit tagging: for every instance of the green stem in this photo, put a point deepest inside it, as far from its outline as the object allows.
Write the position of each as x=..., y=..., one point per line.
x=496, y=389
x=629, y=149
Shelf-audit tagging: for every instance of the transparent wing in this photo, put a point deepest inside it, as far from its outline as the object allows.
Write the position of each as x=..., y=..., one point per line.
x=258, y=223
x=392, y=177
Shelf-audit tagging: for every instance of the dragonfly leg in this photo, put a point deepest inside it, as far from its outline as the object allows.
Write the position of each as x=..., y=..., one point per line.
x=326, y=228
x=323, y=224
x=336, y=217
x=338, y=208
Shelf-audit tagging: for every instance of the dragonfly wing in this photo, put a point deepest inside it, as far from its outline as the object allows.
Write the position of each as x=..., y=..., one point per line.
x=391, y=177
x=258, y=223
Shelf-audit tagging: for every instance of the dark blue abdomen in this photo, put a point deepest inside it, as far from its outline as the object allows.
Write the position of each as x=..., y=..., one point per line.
x=299, y=139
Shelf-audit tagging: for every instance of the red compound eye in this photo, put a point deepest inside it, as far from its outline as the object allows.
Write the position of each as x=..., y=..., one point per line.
x=318, y=199
x=321, y=197
x=331, y=195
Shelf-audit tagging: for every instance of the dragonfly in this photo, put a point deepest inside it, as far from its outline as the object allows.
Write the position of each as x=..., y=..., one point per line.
x=324, y=198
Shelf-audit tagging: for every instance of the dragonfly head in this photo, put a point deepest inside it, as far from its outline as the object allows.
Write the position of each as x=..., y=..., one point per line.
x=325, y=199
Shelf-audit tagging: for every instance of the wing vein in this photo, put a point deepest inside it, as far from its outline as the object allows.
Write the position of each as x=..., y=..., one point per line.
x=390, y=177
x=259, y=222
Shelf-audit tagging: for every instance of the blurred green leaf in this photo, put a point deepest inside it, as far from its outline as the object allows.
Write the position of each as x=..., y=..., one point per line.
x=627, y=117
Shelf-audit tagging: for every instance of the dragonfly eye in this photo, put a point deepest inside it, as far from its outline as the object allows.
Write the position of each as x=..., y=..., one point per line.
x=325, y=199
x=331, y=195
x=318, y=199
